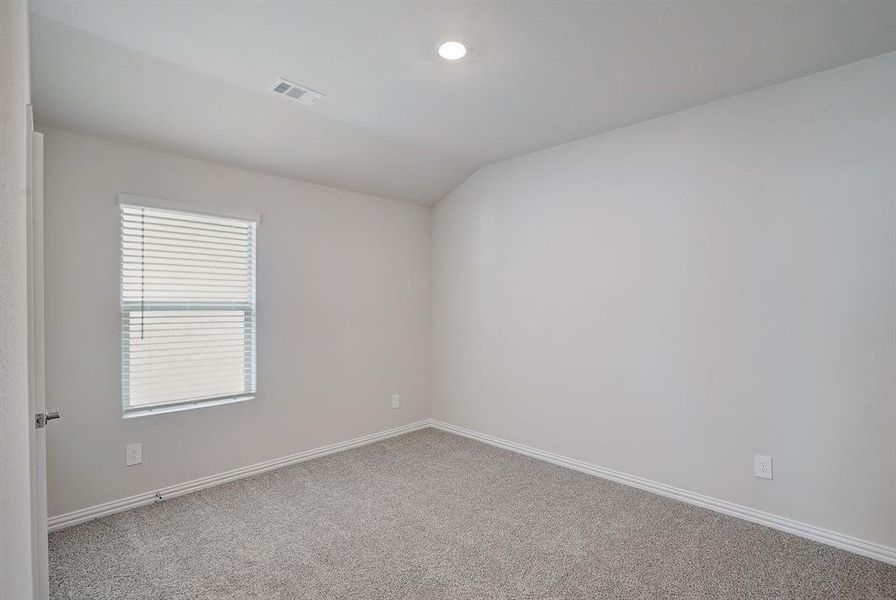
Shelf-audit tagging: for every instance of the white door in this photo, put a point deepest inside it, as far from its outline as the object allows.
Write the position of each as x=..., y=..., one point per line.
x=36, y=401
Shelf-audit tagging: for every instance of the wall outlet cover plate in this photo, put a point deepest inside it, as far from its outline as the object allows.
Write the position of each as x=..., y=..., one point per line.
x=762, y=466
x=133, y=454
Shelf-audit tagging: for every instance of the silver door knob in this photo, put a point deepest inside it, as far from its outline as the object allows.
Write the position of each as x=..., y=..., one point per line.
x=41, y=419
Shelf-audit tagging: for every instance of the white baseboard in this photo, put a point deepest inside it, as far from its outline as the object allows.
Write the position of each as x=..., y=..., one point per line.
x=107, y=508
x=818, y=534
x=825, y=536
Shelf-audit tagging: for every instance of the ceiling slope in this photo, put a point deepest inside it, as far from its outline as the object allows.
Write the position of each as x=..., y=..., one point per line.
x=398, y=121
x=87, y=84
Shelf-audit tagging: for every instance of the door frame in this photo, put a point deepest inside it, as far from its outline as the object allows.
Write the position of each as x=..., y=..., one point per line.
x=34, y=146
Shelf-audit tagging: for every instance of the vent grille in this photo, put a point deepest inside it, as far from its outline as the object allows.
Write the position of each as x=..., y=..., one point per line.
x=296, y=92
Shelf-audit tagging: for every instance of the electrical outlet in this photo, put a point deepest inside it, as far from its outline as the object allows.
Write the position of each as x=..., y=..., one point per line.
x=133, y=454
x=396, y=400
x=762, y=466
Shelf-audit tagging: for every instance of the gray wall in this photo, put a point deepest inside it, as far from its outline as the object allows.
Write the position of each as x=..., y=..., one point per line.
x=15, y=487
x=670, y=298
x=343, y=317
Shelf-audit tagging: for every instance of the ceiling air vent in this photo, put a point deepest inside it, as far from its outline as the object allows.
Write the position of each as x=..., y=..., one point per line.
x=295, y=91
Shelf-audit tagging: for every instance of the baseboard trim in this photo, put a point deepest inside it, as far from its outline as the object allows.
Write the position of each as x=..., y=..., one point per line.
x=818, y=534
x=107, y=508
x=811, y=532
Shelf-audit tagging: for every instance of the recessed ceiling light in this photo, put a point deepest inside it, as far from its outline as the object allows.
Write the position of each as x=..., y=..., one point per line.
x=452, y=50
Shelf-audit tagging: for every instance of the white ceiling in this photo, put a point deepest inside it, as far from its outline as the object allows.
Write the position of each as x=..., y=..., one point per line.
x=397, y=121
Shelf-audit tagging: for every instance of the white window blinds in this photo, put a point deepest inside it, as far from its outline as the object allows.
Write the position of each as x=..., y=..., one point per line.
x=187, y=308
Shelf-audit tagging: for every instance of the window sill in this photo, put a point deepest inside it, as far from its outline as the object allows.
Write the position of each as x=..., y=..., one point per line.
x=131, y=413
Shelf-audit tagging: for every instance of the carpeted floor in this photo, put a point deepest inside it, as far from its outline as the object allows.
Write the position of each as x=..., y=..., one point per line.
x=433, y=515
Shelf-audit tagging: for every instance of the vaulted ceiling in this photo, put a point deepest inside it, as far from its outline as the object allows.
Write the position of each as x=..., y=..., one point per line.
x=397, y=121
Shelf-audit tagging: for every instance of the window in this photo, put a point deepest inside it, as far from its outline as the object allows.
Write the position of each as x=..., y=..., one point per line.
x=187, y=307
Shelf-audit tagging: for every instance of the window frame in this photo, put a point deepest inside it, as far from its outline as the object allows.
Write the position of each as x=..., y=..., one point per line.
x=249, y=310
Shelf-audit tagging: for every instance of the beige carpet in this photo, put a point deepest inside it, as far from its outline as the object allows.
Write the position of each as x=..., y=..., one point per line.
x=433, y=515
